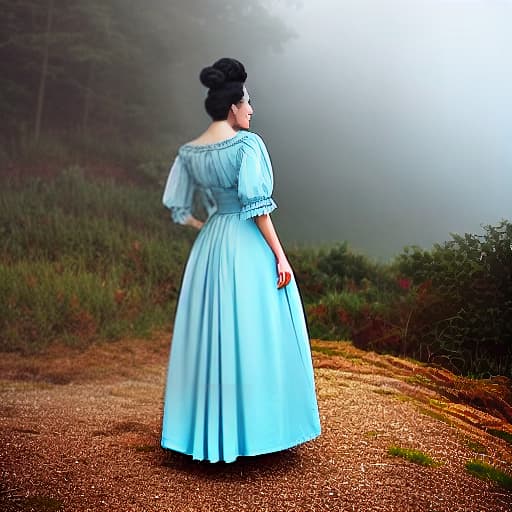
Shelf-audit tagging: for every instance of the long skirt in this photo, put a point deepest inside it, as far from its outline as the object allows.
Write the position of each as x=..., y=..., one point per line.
x=240, y=377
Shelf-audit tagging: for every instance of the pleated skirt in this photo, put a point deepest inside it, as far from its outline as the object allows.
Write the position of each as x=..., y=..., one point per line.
x=240, y=377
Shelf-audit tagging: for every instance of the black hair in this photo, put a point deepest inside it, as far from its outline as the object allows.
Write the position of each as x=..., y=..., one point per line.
x=225, y=80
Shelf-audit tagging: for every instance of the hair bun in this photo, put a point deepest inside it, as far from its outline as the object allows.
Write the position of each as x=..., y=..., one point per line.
x=212, y=77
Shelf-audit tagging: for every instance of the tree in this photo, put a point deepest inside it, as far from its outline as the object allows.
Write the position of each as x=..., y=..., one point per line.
x=115, y=67
x=44, y=70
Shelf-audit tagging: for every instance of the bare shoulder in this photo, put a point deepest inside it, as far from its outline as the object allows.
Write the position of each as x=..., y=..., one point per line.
x=204, y=138
x=212, y=137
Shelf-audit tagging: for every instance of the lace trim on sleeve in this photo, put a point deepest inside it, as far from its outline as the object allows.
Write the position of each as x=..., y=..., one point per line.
x=180, y=214
x=258, y=207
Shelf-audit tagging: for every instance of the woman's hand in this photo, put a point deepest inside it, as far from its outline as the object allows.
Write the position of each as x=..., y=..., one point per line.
x=195, y=223
x=284, y=272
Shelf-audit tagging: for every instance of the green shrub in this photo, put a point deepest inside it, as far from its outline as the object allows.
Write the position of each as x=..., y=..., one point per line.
x=465, y=318
x=449, y=306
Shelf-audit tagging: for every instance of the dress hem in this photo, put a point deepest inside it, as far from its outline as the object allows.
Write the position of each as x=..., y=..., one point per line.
x=260, y=451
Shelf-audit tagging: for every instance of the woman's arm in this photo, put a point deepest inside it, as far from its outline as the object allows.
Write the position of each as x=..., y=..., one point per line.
x=284, y=269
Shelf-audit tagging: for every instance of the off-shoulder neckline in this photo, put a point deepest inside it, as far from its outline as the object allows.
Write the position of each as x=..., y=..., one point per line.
x=219, y=144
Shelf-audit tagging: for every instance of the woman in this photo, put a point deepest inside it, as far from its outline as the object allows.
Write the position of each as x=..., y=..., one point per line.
x=240, y=379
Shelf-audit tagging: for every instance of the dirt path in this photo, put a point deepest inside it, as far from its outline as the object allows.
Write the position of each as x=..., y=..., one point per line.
x=80, y=432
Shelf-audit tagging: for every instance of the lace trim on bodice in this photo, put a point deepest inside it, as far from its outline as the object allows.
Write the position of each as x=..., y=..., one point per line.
x=240, y=136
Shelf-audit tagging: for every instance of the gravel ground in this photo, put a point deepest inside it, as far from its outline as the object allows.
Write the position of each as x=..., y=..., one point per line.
x=80, y=432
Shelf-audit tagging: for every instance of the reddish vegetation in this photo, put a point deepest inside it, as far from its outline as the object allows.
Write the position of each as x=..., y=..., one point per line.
x=100, y=170
x=379, y=333
x=404, y=283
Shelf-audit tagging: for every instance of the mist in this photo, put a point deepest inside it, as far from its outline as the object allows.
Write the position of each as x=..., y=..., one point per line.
x=388, y=122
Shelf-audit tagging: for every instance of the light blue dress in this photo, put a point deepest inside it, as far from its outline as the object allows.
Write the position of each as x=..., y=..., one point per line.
x=240, y=378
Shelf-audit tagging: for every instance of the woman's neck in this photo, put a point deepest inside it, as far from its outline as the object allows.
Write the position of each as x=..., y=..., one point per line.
x=216, y=132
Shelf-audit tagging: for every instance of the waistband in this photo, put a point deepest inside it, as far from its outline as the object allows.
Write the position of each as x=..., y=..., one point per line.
x=227, y=200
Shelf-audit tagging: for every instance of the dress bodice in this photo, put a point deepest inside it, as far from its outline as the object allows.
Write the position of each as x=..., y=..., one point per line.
x=231, y=176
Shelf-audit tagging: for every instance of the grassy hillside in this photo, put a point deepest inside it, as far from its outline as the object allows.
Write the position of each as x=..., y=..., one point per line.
x=84, y=259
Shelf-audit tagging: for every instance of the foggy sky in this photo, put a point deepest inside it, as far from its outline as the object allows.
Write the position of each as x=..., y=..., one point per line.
x=388, y=122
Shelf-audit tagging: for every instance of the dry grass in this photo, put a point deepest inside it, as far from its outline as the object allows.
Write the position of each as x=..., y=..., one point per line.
x=79, y=431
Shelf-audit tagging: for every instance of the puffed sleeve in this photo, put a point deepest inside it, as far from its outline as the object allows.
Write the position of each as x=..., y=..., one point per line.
x=255, y=180
x=179, y=192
